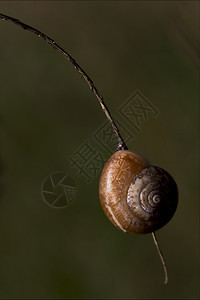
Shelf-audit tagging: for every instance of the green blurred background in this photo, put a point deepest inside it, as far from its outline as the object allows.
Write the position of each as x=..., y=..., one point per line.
x=47, y=112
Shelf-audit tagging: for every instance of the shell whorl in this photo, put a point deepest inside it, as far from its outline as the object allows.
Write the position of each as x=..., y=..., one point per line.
x=136, y=196
x=152, y=197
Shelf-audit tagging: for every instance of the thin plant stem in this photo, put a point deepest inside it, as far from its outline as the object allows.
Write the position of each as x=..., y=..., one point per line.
x=121, y=142
x=161, y=256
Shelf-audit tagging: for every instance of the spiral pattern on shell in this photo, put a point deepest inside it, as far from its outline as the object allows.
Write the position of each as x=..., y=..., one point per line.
x=152, y=197
x=135, y=196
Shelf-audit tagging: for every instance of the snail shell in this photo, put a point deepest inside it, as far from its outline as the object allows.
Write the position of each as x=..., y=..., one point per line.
x=135, y=196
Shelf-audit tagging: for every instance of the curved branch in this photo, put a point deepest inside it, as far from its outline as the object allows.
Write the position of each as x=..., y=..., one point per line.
x=161, y=257
x=50, y=41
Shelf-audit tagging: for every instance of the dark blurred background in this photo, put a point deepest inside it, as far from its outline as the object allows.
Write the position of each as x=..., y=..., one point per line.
x=48, y=112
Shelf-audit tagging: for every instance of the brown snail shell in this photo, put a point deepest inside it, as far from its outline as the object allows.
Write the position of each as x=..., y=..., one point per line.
x=135, y=196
